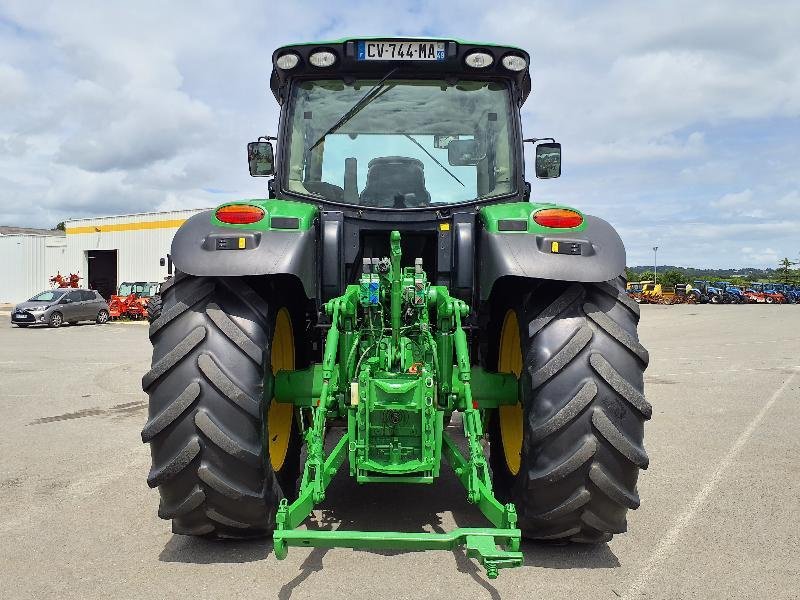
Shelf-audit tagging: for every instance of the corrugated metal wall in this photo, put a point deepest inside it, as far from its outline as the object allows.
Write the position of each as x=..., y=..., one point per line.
x=27, y=262
x=140, y=240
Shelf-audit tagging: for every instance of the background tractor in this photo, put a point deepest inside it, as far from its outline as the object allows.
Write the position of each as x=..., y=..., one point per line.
x=731, y=293
x=634, y=289
x=768, y=293
x=711, y=293
x=789, y=292
x=131, y=299
x=398, y=278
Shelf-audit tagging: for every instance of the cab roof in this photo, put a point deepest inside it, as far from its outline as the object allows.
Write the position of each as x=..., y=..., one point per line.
x=348, y=64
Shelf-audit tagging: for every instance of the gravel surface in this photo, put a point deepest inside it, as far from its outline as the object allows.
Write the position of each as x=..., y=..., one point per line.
x=720, y=515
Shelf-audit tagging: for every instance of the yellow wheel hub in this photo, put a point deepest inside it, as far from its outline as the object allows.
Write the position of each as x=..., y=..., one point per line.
x=509, y=360
x=280, y=416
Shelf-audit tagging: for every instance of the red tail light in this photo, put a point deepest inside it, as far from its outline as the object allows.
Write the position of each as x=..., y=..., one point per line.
x=240, y=214
x=561, y=218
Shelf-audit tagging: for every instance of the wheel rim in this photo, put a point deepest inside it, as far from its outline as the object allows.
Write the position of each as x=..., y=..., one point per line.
x=509, y=360
x=103, y=316
x=56, y=319
x=279, y=416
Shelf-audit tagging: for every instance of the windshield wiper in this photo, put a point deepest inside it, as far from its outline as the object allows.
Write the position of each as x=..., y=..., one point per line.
x=433, y=158
x=371, y=95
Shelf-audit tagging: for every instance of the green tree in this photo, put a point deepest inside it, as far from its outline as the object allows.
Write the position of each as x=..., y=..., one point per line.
x=61, y=226
x=739, y=281
x=647, y=276
x=785, y=270
x=672, y=278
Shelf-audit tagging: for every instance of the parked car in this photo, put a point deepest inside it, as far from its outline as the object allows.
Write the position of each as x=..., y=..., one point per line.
x=62, y=305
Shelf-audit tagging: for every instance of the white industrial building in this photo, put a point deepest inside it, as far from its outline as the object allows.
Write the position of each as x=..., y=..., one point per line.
x=28, y=258
x=103, y=251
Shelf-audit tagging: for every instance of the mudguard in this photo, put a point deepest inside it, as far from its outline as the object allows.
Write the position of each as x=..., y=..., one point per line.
x=592, y=253
x=202, y=248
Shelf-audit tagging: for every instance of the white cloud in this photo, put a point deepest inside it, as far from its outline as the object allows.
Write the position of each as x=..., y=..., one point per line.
x=679, y=119
x=790, y=200
x=144, y=127
x=734, y=199
x=13, y=85
x=764, y=256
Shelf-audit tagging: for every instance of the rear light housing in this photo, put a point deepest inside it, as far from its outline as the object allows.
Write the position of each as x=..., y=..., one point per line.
x=322, y=59
x=558, y=218
x=240, y=214
x=479, y=60
x=287, y=61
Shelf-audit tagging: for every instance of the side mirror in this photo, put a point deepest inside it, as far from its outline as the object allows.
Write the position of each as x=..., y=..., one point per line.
x=260, y=159
x=464, y=153
x=66, y=301
x=548, y=160
x=162, y=262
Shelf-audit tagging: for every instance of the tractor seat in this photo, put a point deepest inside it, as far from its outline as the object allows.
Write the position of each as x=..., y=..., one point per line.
x=390, y=176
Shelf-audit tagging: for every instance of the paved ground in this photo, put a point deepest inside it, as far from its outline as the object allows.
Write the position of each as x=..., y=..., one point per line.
x=720, y=515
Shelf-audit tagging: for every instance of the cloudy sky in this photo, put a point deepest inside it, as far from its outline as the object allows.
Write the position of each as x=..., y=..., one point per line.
x=680, y=120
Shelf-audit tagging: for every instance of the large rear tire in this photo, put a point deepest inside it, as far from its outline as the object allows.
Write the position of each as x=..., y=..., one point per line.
x=569, y=455
x=210, y=389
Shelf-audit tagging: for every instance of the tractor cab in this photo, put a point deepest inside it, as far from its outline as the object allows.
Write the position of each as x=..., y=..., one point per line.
x=412, y=124
x=372, y=127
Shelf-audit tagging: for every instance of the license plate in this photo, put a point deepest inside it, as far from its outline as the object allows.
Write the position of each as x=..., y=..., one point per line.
x=22, y=315
x=400, y=50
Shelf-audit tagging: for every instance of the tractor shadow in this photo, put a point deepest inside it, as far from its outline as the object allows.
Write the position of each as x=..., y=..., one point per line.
x=200, y=551
x=435, y=508
x=390, y=507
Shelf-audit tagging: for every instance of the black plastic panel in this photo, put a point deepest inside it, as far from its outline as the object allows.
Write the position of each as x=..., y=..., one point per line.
x=195, y=251
x=601, y=258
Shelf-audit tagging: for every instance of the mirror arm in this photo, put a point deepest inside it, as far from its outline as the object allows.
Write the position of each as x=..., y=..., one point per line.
x=534, y=140
x=266, y=138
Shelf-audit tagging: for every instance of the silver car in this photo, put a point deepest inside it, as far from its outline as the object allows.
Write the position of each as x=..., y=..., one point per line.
x=55, y=307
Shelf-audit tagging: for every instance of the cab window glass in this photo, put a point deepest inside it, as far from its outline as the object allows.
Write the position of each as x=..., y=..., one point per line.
x=416, y=143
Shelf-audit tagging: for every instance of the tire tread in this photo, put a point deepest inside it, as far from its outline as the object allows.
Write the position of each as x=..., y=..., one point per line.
x=206, y=420
x=584, y=412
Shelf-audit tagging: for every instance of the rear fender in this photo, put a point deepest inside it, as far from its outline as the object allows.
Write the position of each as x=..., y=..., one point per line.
x=512, y=245
x=283, y=243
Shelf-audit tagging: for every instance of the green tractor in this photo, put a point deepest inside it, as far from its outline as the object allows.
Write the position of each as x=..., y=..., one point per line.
x=398, y=275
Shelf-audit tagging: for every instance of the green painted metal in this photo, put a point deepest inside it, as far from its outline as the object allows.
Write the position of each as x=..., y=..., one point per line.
x=301, y=388
x=489, y=390
x=481, y=543
x=490, y=217
x=305, y=214
x=395, y=362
